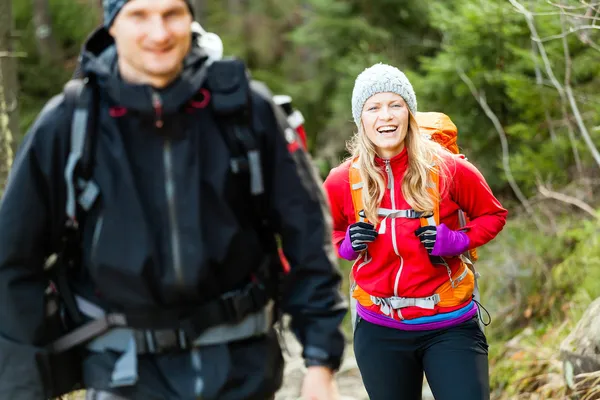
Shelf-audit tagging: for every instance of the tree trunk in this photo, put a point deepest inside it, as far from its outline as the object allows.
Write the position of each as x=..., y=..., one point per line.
x=8, y=92
x=6, y=138
x=47, y=46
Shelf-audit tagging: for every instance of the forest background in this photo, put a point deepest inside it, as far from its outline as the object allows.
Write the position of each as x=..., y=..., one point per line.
x=519, y=78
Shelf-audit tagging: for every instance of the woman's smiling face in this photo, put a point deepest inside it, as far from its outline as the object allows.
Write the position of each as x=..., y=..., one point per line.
x=385, y=119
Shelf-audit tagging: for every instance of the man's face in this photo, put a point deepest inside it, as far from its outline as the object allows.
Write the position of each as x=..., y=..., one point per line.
x=152, y=38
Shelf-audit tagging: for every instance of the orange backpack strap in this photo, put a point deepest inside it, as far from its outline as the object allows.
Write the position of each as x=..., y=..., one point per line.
x=356, y=186
x=433, y=189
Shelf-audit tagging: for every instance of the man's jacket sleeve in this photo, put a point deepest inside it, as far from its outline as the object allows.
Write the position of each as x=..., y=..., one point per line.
x=26, y=239
x=302, y=218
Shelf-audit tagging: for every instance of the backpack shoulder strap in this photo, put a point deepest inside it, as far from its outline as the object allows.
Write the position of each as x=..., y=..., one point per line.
x=356, y=186
x=81, y=104
x=229, y=85
x=433, y=187
x=81, y=107
x=72, y=91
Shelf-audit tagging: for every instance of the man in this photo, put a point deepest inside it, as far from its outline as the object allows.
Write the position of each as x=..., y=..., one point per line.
x=172, y=229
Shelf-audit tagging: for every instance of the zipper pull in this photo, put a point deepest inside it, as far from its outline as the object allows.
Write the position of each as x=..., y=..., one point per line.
x=389, y=174
x=158, y=109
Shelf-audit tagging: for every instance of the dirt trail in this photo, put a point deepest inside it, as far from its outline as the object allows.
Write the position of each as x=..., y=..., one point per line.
x=348, y=378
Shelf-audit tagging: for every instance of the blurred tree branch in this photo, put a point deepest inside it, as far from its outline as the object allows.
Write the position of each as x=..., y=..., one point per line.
x=564, y=92
x=568, y=71
x=480, y=97
x=544, y=191
x=12, y=54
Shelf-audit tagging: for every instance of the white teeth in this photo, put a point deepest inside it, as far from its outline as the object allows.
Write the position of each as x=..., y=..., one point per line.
x=384, y=129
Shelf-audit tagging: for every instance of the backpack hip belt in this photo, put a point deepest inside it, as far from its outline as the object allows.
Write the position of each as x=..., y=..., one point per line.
x=445, y=295
x=240, y=315
x=166, y=340
x=223, y=314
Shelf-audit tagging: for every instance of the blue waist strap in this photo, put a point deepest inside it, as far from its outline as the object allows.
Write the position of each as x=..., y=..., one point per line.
x=441, y=317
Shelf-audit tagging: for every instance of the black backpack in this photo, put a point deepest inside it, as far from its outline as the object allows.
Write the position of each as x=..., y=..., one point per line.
x=61, y=366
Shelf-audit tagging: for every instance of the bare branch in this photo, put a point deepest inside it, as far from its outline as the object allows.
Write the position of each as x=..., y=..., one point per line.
x=544, y=191
x=550, y=13
x=595, y=18
x=584, y=132
x=550, y=216
x=568, y=71
x=539, y=81
x=565, y=7
x=542, y=50
x=571, y=30
x=592, y=45
x=562, y=91
x=480, y=97
x=11, y=54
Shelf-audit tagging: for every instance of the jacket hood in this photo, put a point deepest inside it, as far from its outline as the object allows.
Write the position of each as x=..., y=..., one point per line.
x=98, y=61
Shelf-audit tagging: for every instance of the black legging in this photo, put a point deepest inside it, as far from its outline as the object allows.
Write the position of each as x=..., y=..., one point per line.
x=392, y=362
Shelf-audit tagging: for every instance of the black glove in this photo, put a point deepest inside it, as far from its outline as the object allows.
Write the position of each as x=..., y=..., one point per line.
x=361, y=233
x=427, y=235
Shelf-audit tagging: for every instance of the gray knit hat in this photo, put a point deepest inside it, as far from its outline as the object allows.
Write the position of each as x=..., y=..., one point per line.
x=381, y=78
x=112, y=8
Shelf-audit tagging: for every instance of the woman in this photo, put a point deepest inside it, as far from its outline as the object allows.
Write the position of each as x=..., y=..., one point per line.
x=413, y=290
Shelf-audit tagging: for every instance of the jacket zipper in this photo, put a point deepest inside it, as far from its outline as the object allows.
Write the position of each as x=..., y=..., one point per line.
x=96, y=236
x=169, y=191
x=391, y=188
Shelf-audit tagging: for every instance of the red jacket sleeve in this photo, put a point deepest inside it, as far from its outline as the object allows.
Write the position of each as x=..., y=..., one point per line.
x=474, y=196
x=337, y=188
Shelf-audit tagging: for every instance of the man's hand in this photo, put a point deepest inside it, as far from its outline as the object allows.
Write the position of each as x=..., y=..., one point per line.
x=319, y=384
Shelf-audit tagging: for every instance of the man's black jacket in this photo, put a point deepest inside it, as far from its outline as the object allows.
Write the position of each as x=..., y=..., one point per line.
x=172, y=226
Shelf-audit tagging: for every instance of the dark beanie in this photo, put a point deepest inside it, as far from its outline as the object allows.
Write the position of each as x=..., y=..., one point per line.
x=112, y=8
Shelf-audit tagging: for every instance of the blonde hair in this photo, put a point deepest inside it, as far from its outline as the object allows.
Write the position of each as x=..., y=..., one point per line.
x=423, y=155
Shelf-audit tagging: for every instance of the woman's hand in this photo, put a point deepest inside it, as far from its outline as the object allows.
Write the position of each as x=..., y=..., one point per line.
x=358, y=236
x=443, y=241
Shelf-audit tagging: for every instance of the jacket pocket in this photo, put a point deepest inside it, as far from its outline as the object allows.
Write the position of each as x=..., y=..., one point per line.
x=20, y=376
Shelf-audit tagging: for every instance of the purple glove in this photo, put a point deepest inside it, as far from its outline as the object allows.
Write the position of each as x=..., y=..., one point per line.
x=358, y=235
x=442, y=241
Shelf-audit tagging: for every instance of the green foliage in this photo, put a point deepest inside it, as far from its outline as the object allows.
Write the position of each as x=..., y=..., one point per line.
x=536, y=287
x=579, y=272
x=72, y=22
